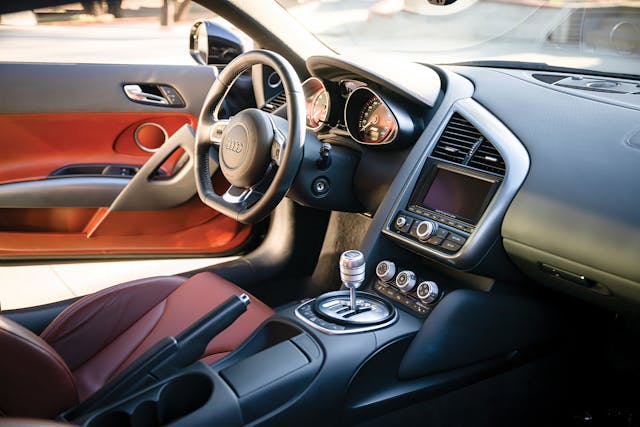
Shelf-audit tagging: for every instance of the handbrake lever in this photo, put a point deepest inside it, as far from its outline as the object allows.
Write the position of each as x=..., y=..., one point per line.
x=165, y=358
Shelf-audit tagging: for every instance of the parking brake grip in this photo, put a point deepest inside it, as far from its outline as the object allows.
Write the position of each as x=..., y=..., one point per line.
x=165, y=358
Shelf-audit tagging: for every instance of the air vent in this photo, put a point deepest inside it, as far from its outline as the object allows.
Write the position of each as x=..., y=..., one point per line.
x=457, y=140
x=462, y=143
x=274, y=103
x=487, y=158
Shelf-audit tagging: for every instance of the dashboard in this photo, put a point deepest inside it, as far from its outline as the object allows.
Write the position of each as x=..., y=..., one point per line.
x=452, y=167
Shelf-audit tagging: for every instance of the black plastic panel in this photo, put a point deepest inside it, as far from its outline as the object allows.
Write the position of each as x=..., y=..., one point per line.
x=264, y=368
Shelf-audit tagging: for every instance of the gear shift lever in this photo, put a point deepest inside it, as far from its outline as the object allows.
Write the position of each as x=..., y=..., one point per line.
x=352, y=266
x=341, y=313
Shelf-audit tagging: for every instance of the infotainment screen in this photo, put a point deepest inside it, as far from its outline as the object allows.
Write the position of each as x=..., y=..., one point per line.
x=457, y=194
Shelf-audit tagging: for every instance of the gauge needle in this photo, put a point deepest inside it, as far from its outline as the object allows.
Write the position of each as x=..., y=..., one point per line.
x=372, y=121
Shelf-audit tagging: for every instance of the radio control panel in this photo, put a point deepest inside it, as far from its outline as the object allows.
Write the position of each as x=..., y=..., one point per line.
x=429, y=229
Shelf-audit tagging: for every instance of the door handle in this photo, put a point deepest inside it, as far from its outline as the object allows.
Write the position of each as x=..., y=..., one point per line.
x=135, y=93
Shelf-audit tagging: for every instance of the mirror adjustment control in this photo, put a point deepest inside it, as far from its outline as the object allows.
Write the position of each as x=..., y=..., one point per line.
x=385, y=270
x=403, y=223
x=406, y=280
x=428, y=292
x=425, y=230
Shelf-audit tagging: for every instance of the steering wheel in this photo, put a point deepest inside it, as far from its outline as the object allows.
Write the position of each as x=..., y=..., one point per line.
x=258, y=153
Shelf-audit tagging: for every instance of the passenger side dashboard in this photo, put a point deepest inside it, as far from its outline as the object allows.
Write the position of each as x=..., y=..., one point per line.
x=564, y=210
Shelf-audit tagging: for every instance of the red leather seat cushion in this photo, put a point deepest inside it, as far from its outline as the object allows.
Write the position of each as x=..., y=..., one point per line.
x=101, y=334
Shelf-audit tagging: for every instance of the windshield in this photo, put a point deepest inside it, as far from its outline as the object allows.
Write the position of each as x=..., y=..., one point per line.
x=599, y=35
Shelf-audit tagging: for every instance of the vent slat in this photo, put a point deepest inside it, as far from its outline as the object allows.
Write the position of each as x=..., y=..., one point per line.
x=274, y=103
x=457, y=140
x=462, y=143
x=488, y=158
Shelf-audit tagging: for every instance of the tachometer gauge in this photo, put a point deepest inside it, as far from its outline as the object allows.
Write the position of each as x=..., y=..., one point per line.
x=369, y=120
x=318, y=103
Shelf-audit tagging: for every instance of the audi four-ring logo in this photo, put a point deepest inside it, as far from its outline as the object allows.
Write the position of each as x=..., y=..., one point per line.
x=233, y=145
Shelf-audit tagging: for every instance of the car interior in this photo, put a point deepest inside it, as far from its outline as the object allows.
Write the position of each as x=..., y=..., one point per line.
x=415, y=244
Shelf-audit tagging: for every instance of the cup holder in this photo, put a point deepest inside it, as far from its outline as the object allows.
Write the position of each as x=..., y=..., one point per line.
x=183, y=396
x=178, y=398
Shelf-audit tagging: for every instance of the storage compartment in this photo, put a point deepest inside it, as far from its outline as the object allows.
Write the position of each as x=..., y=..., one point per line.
x=271, y=369
x=179, y=397
x=251, y=375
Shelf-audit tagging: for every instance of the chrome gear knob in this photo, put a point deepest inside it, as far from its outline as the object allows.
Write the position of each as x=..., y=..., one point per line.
x=352, y=267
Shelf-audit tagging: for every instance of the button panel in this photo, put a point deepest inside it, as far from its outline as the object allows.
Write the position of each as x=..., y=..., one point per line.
x=445, y=240
x=409, y=300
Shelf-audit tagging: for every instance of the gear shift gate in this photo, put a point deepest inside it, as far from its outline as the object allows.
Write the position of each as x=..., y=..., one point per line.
x=344, y=312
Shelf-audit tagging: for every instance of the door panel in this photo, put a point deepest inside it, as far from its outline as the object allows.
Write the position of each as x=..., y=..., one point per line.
x=68, y=138
x=36, y=145
x=189, y=229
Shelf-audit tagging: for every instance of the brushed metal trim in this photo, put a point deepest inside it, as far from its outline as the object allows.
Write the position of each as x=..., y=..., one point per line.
x=344, y=332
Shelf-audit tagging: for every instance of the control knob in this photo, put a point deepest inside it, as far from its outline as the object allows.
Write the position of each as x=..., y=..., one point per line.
x=385, y=270
x=425, y=229
x=352, y=267
x=428, y=292
x=406, y=280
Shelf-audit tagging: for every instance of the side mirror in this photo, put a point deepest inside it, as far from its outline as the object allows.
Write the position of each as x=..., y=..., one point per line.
x=212, y=44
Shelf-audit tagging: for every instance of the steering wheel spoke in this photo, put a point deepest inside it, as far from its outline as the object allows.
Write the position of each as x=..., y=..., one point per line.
x=278, y=143
x=217, y=130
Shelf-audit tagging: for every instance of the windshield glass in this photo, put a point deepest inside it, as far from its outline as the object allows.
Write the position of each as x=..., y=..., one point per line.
x=600, y=35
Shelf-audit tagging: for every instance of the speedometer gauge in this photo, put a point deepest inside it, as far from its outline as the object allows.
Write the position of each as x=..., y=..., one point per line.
x=368, y=118
x=318, y=103
x=375, y=122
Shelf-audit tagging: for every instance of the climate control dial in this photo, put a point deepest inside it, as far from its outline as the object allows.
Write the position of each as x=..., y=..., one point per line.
x=406, y=280
x=428, y=292
x=385, y=270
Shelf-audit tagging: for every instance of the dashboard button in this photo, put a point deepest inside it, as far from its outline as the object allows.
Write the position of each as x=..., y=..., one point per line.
x=435, y=240
x=441, y=232
x=457, y=238
x=450, y=246
x=413, y=231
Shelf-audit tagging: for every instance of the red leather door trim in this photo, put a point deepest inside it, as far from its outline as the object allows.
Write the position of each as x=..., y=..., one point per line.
x=34, y=145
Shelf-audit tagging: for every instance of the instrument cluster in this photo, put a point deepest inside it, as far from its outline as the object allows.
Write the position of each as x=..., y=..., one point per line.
x=353, y=107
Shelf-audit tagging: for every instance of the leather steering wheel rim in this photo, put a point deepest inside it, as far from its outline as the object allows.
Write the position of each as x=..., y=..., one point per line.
x=250, y=205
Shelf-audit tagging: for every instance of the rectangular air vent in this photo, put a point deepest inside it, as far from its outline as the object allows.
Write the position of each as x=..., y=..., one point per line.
x=457, y=140
x=487, y=158
x=462, y=143
x=274, y=103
